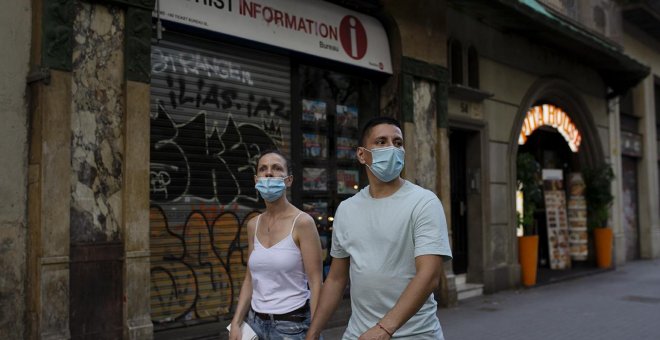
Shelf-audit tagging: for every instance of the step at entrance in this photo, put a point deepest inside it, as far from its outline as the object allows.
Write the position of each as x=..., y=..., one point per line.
x=466, y=290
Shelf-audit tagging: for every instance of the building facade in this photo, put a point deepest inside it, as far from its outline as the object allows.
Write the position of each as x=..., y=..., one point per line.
x=542, y=78
x=145, y=122
x=134, y=128
x=639, y=112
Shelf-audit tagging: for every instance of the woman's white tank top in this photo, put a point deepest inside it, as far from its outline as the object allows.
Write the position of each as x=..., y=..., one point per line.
x=279, y=282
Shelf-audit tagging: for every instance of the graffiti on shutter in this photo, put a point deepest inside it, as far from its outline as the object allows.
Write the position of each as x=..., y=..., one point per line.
x=214, y=109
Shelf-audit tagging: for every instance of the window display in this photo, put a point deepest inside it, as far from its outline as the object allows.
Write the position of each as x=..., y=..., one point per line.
x=315, y=179
x=347, y=181
x=313, y=111
x=331, y=107
x=315, y=145
x=346, y=147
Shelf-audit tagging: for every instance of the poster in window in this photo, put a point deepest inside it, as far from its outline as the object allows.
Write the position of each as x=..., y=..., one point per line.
x=346, y=148
x=315, y=179
x=313, y=112
x=577, y=217
x=314, y=145
x=347, y=181
x=317, y=209
x=347, y=117
x=556, y=219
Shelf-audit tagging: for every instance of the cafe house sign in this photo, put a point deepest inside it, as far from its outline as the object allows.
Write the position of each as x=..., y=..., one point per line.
x=550, y=115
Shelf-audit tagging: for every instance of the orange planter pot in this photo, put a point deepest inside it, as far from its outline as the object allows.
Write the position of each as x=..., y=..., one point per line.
x=528, y=252
x=603, y=243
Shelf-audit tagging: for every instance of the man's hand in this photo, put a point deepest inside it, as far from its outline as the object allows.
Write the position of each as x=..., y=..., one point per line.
x=374, y=333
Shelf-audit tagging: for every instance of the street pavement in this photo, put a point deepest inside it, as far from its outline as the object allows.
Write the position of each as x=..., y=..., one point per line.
x=618, y=304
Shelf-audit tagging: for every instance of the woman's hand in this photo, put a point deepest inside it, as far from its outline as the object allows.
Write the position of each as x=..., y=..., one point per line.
x=236, y=332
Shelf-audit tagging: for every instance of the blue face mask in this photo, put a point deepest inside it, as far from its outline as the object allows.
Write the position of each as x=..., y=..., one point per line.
x=386, y=163
x=271, y=188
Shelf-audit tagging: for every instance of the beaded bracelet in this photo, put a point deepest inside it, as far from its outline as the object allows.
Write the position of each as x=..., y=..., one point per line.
x=384, y=329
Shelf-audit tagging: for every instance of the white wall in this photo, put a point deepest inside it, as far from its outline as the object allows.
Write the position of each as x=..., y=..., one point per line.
x=14, y=59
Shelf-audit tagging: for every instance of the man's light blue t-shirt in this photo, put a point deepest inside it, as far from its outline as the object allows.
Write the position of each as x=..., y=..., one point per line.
x=382, y=237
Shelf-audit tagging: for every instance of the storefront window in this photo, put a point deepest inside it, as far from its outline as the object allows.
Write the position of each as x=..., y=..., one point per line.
x=332, y=105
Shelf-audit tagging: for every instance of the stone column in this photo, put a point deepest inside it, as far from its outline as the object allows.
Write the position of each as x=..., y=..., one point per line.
x=111, y=64
x=424, y=111
x=614, y=155
x=88, y=170
x=49, y=171
x=649, y=220
x=137, y=267
x=48, y=210
x=136, y=213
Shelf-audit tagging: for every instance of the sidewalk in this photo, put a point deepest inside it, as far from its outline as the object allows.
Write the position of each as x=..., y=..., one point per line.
x=618, y=304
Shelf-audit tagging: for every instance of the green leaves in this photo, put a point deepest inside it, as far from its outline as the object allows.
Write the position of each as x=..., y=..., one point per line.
x=528, y=172
x=598, y=181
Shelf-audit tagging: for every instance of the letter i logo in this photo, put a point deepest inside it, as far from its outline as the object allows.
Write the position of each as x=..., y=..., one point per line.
x=353, y=37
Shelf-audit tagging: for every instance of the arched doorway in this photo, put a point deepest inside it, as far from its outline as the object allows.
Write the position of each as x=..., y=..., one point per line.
x=555, y=126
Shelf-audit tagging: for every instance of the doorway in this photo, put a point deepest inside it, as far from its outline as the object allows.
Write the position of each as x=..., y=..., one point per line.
x=459, y=223
x=465, y=153
x=630, y=207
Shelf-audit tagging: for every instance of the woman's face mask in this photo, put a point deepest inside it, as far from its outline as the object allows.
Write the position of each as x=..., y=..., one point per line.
x=386, y=163
x=271, y=188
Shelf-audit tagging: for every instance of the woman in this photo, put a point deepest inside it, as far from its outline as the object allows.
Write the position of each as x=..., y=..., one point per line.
x=283, y=281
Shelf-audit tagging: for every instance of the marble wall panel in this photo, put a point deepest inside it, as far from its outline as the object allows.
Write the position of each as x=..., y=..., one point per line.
x=96, y=124
x=425, y=136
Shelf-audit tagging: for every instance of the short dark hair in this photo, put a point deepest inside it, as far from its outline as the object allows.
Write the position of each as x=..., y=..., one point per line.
x=287, y=164
x=366, y=128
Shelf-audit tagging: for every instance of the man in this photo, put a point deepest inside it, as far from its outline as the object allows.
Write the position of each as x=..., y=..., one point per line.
x=392, y=239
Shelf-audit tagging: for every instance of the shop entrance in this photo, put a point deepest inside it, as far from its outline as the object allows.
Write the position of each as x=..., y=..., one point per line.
x=562, y=138
x=559, y=255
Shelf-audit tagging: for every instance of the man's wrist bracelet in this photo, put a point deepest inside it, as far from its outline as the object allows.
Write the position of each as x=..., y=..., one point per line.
x=384, y=329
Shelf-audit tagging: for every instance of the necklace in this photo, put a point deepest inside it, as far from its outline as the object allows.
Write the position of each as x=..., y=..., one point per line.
x=272, y=221
x=273, y=218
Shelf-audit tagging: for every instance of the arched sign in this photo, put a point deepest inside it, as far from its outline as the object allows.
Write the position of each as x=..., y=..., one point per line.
x=550, y=115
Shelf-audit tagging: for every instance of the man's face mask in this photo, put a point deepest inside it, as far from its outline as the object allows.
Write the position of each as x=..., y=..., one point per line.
x=386, y=163
x=271, y=188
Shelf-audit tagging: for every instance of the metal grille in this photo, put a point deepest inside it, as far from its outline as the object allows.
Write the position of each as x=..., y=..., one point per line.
x=214, y=109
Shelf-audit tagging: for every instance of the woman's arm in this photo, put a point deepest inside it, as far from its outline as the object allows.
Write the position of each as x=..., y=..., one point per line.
x=307, y=238
x=245, y=296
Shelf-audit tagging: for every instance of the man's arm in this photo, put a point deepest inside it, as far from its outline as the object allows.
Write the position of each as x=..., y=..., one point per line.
x=331, y=294
x=425, y=281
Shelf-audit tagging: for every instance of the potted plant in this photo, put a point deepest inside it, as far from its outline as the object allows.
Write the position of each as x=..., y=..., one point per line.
x=527, y=178
x=598, y=194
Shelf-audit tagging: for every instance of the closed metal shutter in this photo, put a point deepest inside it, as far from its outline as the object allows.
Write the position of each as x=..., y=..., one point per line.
x=214, y=109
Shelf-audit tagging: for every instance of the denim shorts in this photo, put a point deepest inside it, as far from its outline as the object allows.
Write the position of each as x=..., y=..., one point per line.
x=279, y=329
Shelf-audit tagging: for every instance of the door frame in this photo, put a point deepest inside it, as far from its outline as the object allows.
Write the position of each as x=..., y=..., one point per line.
x=478, y=193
